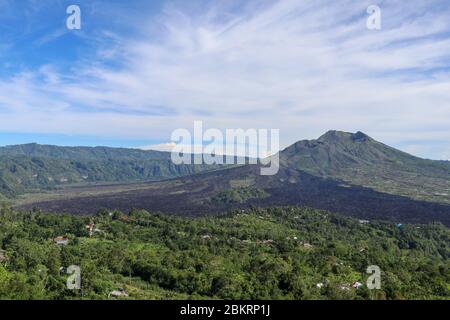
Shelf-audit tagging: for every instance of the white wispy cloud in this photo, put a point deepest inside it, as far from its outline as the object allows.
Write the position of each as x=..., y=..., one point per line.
x=301, y=66
x=160, y=146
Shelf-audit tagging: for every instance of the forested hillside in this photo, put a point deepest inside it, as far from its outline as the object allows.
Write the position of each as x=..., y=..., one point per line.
x=33, y=167
x=278, y=253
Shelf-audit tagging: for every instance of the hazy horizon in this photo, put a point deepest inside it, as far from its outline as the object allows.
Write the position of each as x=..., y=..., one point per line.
x=90, y=142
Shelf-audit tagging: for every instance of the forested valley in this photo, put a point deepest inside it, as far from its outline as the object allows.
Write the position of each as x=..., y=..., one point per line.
x=276, y=253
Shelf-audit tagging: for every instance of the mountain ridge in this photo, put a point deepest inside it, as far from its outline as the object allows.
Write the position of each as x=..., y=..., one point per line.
x=357, y=158
x=34, y=167
x=352, y=157
x=348, y=173
x=75, y=152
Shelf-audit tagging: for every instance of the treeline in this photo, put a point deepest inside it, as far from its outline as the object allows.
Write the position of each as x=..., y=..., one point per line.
x=278, y=253
x=239, y=195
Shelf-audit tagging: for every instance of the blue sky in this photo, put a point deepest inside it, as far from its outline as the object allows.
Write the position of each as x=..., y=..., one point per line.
x=138, y=69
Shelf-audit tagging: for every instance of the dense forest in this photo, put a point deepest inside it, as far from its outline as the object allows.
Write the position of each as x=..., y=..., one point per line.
x=278, y=253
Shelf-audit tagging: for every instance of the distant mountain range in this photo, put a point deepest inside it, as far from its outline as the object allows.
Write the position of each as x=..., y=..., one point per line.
x=34, y=167
x=349, y=173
